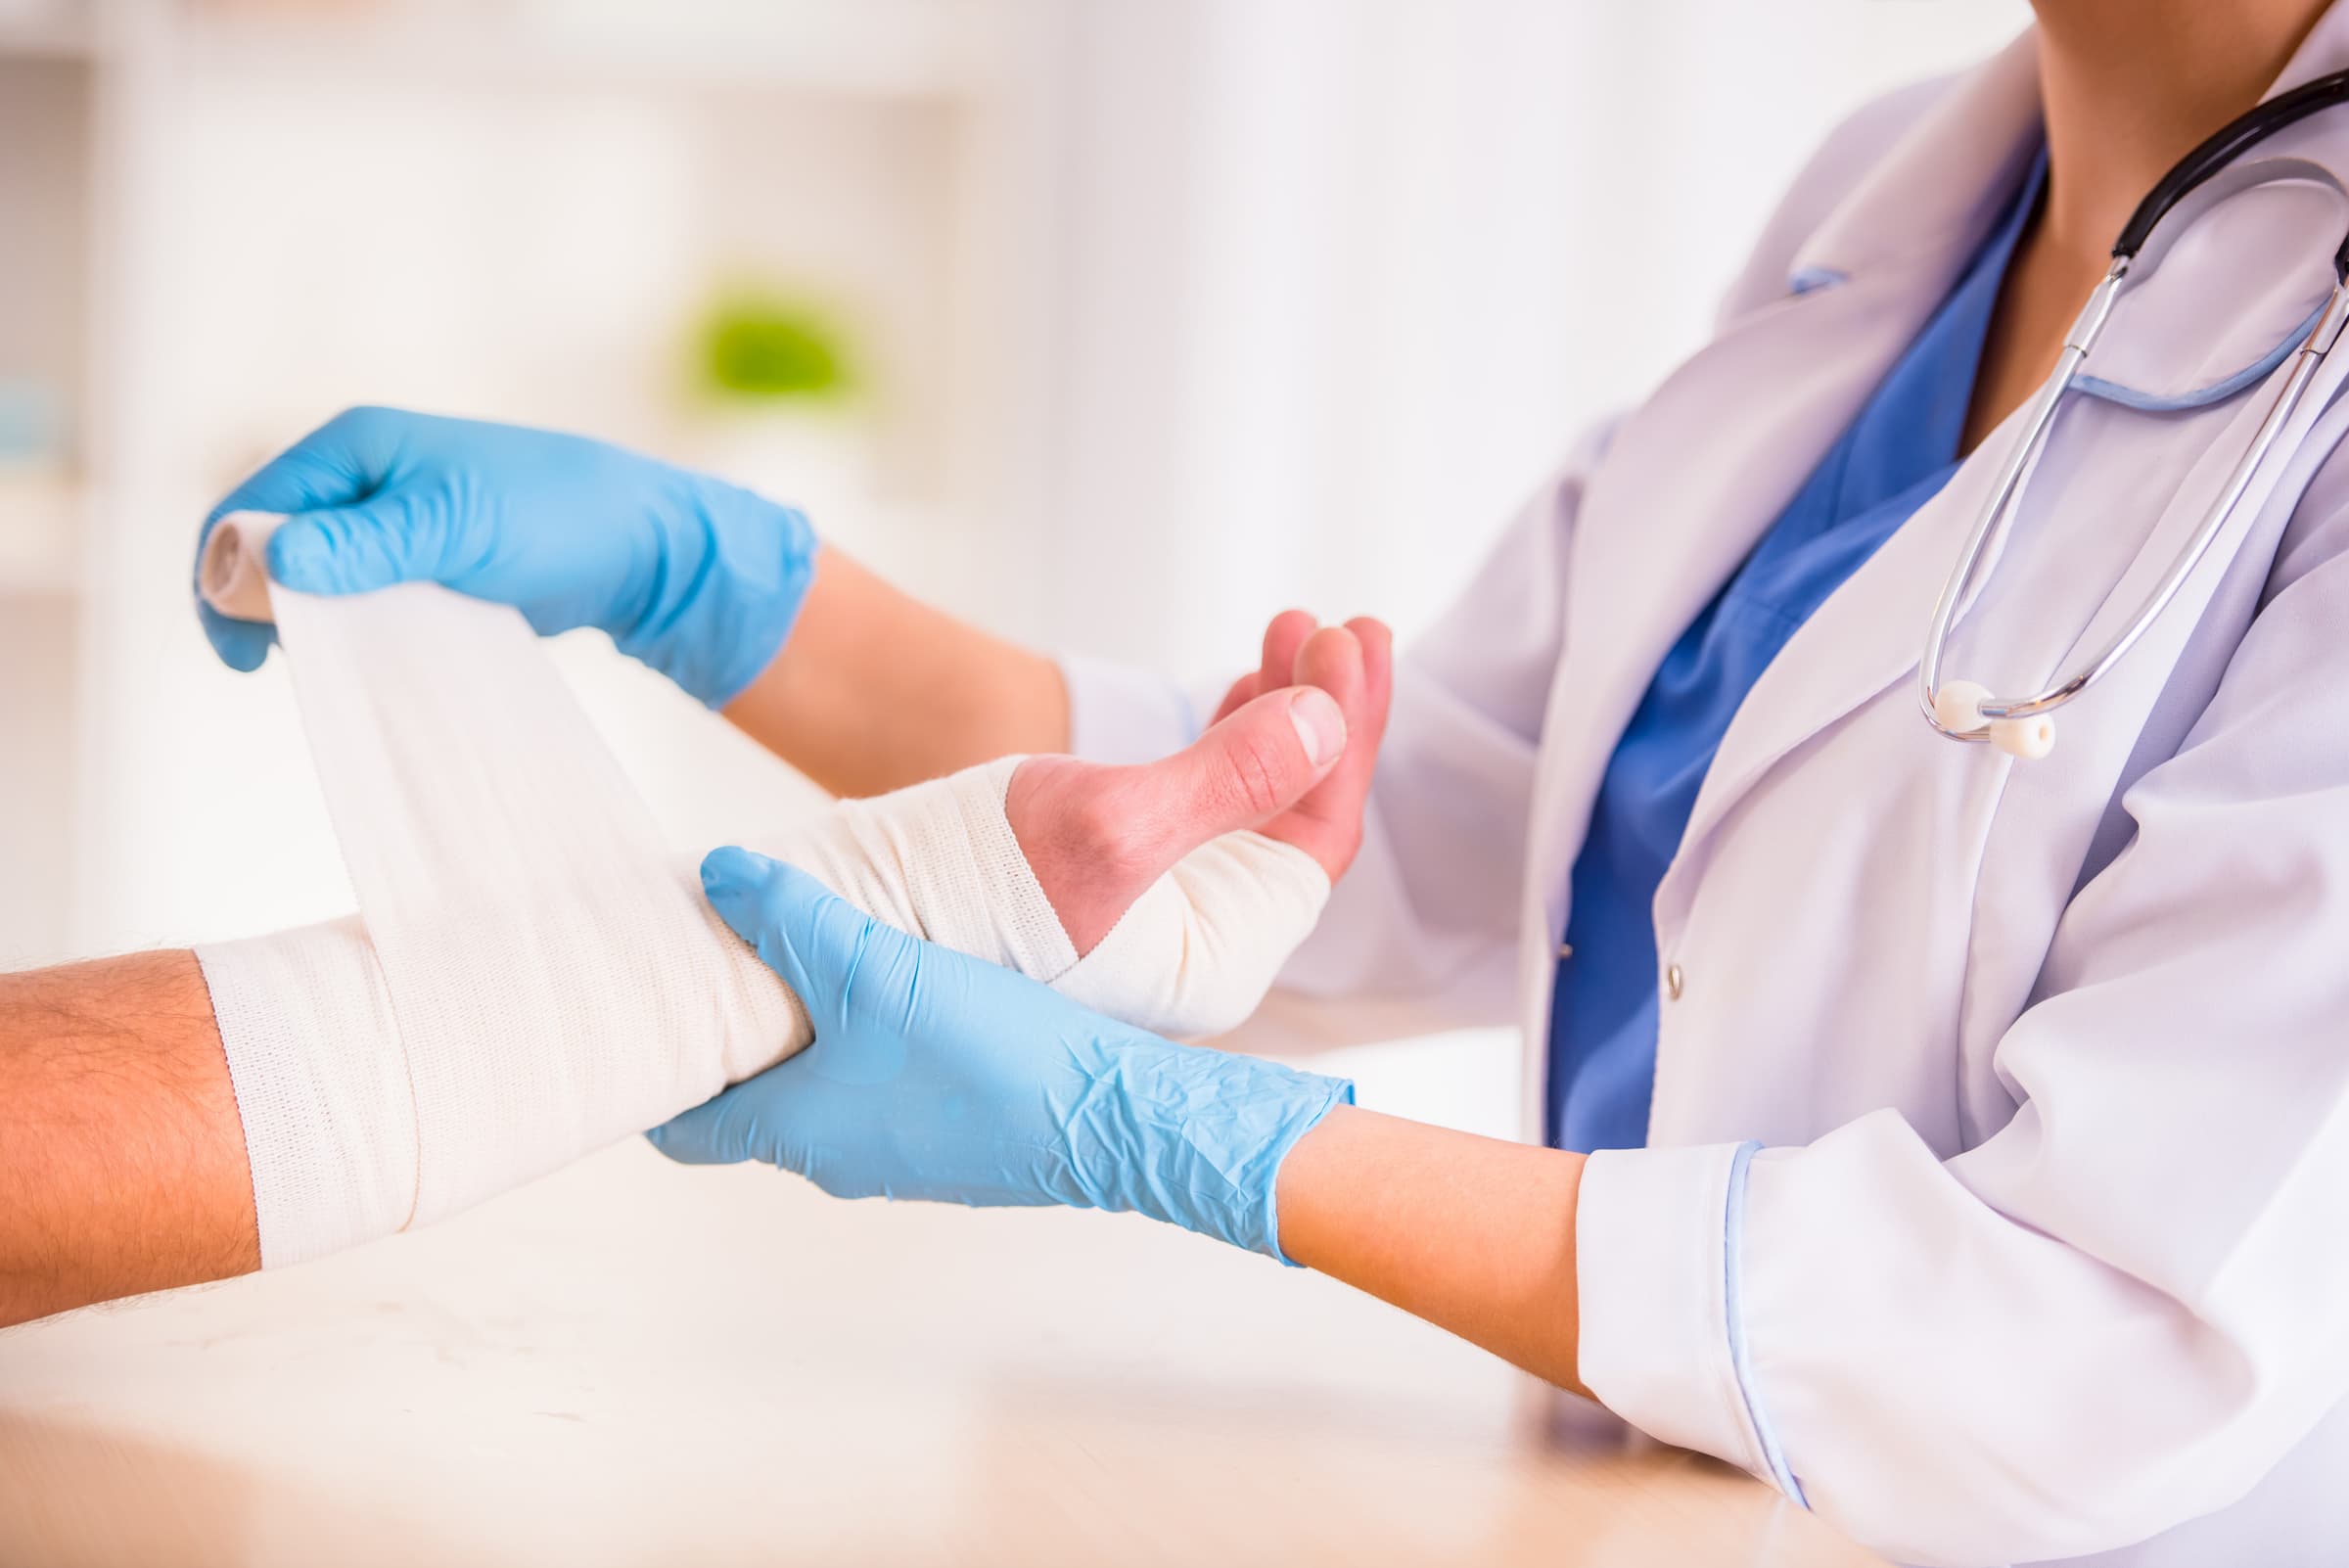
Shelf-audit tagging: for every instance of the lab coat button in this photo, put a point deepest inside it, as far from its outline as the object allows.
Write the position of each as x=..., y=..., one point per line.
x=1672, y=982
x=1565, y=950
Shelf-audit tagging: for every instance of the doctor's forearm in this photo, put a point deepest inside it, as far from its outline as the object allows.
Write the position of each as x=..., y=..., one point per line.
x=123, y=1164
x=875, y=690
x=1471, y=1233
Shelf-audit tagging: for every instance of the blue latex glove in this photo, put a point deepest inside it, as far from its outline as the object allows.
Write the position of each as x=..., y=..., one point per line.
x=696, y=577
x=936, y=1075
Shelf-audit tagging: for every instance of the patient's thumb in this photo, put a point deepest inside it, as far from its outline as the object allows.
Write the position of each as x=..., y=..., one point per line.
x=1096, y=838
x=1257, y=762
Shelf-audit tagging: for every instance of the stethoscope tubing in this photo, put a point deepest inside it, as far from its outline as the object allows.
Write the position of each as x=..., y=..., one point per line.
x=1965, y=711
x=2222, y=148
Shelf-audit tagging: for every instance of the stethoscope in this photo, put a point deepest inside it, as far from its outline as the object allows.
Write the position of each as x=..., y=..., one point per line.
x=1965, y=711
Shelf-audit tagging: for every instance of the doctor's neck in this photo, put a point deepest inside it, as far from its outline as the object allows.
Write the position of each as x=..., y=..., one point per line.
x=2130, y=85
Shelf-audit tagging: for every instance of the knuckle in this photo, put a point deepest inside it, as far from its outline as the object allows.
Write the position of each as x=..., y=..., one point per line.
x=358, y=420
x=370, y=437
x=1115, y=830
x=1104, y=828
x=1255, y=771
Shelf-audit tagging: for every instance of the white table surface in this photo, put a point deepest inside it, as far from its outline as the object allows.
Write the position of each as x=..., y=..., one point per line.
x=632, y=1362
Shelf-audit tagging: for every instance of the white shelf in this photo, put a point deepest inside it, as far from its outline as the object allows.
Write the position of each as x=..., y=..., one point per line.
x=40, y=528
x=880, y=48
x=59, y=34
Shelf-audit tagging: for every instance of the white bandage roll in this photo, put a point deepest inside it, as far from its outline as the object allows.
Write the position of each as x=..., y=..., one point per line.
x=536, y=975
x=233, y=572
x=555, y=978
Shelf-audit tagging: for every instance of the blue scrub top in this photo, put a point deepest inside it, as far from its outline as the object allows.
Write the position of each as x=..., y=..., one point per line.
x=1896, y=455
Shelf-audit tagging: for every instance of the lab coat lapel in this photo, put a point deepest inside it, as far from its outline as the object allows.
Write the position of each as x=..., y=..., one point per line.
x=1691, y=479
x=1687, y=487
x=1866, y=635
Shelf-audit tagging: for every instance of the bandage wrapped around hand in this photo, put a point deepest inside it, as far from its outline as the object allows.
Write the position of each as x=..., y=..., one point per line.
x=1193, y=957
x=533, y=974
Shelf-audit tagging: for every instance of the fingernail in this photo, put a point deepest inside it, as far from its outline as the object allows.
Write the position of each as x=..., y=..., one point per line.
x=729, y=869
x=1319, y=724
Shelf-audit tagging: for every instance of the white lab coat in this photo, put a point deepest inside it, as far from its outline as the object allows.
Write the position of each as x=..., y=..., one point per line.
x=2045, y=1251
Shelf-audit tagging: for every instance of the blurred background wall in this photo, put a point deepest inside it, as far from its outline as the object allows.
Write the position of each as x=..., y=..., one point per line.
x=1112, y=324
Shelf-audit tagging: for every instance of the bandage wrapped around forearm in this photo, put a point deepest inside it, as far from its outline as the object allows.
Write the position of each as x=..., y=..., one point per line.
x=532, y=974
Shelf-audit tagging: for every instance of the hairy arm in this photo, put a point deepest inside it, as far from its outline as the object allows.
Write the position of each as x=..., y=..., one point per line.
x=122, y=1163
x=1471, y=1233
x=875, y=690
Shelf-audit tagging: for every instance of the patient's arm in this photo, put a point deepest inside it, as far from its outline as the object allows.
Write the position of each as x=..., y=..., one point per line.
x=875, y=691
x=122, y=1158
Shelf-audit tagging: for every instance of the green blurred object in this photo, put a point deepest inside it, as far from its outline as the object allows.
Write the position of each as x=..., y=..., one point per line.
x=760, y=348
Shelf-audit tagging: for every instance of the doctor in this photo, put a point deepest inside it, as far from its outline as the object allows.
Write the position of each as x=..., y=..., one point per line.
x=1960, y=1144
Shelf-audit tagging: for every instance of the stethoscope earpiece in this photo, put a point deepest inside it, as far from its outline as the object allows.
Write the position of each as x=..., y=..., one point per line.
x=2024, y=738
x=1957, y=709
x=1958, y=706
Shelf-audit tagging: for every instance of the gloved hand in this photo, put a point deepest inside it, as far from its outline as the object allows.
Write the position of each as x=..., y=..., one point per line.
x=936, y=1076
x=696, y=577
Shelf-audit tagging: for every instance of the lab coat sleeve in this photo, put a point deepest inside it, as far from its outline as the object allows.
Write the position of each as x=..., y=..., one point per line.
x=1420, y=933
x=2122, y=1309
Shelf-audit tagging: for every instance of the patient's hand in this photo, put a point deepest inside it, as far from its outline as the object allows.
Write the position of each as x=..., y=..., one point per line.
x=1290, y=755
